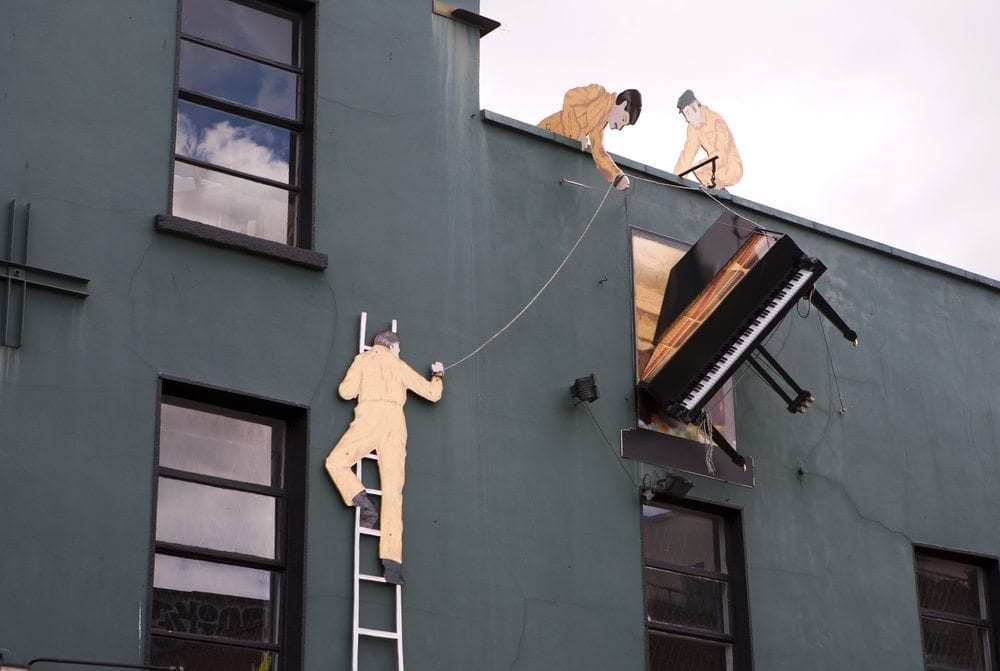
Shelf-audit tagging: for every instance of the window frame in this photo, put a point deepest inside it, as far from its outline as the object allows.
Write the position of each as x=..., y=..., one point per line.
x=651, y=446
x=288, y=564
x=302, y=160
x=990, y=571
x=738, y=603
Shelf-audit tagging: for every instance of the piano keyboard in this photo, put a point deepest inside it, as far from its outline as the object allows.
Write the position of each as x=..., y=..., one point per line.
x=748, y=337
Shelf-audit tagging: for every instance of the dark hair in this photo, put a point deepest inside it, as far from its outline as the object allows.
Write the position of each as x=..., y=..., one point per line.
x=687, y=98
x=386, y=339
x=633, y=103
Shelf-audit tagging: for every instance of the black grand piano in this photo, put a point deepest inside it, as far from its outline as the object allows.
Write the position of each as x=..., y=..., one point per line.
x=723, y=298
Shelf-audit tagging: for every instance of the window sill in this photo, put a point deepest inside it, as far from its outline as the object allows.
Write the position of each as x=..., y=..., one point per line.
x=661, y=449
x=193, y=230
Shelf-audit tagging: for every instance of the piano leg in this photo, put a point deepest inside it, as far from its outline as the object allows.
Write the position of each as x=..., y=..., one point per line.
x=802, y=399
x=816, y=298
x=724, y=445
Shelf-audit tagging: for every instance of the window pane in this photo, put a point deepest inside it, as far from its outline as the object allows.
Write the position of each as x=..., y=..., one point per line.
x=238, y=80
x=950, y=587
x=683, y=538
x=953, y=646
x=234, y=142
x=206, y=657
x=240, y=27
x=210, y=517
x=233, y=203
x=209, y=599
x=673, y=598
x=653, y=257
x=212, y=444
x=673, y=653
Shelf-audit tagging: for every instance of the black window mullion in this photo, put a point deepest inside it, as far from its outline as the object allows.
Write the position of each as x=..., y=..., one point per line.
x=215, y=640
x=717, y=544
x=218, y=46
x=222, y=483
x=692, y=632
x=291, y=188
x=954, y=617
x=686, y=570
x=219, y=556
x=205, y=100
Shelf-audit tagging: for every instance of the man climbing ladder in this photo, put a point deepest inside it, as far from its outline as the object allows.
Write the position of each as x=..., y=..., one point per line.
x=379, y=380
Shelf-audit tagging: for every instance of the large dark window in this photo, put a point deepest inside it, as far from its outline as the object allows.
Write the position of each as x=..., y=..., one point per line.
x=955, y=593
x=243, y=137
x=227, y=561
x=695, y=591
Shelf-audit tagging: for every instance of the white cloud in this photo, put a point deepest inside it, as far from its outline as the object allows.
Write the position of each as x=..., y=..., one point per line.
x=230, y=146
x=225, y=201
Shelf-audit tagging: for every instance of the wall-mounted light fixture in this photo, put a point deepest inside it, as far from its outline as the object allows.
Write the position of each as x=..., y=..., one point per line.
x=671, y=485
x=585, y=389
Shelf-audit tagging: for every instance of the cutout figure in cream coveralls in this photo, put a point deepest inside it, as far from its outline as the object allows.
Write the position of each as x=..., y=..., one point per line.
x=379, y=380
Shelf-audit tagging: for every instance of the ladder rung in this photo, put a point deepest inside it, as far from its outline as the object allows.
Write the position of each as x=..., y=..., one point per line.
x=370, y=532
x=377, y=633
x=371, y=578
x=371, y=455
x=373, y=492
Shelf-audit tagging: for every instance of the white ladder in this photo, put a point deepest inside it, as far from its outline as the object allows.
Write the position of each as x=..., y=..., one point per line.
x=359, y=577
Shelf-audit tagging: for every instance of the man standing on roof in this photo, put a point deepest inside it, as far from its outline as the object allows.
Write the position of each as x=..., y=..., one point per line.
x=585, y=112
x=379, y=380
x=707, y=130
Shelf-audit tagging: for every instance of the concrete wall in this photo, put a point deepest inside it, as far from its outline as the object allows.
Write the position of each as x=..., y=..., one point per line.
x=522, y=546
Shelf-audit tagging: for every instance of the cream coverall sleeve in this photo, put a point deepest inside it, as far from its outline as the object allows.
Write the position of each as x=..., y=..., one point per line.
x=586, y=109
x=691, y=146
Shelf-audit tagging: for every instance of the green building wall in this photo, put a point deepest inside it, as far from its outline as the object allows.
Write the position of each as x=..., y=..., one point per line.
x=522, y=530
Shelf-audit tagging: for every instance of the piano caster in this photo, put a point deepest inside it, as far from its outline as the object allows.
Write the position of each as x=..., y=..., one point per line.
x=801, y=403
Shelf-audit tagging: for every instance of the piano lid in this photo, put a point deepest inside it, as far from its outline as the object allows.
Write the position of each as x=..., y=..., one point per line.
x=758, y=276
x=700, y=264
x=701, y=281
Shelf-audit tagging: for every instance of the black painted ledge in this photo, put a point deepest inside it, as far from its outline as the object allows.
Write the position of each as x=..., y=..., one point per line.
x=220, y=237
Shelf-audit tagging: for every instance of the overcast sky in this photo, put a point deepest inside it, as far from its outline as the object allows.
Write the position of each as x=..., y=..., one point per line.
x=875, y=118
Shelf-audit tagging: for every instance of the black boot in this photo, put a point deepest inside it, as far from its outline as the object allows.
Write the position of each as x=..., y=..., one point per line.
x=369, y=516
x=393, y=571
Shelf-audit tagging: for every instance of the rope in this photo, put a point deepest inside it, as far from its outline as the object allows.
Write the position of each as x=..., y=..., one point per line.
x=610, y=446
x=833, y=370
x=706, y=429
x=705, y=191
x=544, y=286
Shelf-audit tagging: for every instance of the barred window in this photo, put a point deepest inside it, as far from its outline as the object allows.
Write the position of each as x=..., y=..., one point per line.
x=695, y=596
x=953, y=594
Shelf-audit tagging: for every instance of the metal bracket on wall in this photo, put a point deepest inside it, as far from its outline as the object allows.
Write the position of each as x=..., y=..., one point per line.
x=17, y=276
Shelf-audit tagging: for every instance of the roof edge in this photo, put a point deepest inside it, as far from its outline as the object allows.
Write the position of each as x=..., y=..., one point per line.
x=794, y=220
